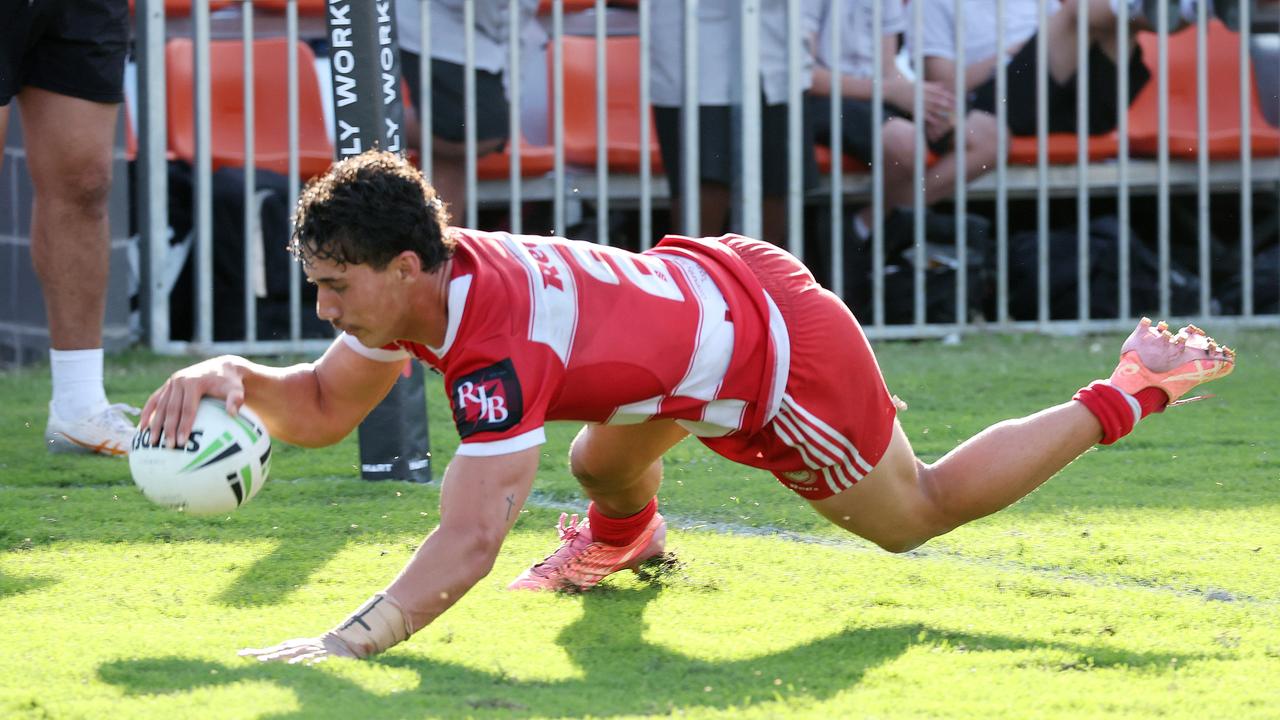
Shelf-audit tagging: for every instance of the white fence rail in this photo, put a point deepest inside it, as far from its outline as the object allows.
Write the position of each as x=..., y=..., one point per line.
x=1092, y=179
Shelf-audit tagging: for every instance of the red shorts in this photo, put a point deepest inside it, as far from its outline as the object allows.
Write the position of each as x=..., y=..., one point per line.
x=836, y=416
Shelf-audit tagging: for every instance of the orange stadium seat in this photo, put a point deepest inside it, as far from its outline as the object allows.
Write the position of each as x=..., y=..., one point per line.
x=535, y=160
x=545, y=7
x=1223, y=133
x=183, y=7
x=305, y=7
x=823, y=155
x=271, y=138
x=623, y=60
x=1062, y=148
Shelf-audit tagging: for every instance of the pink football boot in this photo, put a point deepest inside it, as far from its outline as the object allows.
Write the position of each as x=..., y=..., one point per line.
x=580, y=562
x=1154, y=357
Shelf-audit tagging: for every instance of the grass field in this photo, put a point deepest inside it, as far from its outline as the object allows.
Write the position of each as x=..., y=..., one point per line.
x=1142, y=582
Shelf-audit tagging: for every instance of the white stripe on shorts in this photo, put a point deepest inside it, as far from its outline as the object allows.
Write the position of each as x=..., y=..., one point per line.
x=819, y=446
x=821, y=431
x=794, y=437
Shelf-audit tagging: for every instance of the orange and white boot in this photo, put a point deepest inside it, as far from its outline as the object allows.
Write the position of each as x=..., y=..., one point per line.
x=581, y=561
x=1154, y=357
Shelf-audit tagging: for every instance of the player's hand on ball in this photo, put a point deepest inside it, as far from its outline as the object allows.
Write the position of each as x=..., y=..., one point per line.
x=171, y=410
x=301, y=650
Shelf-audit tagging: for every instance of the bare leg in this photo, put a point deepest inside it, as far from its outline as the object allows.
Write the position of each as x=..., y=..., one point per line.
x=904, y=502
x=1061, y=35
x=940, y=178
x=979, y=158
x=713, y=204
x=620, y=466
x=68, y=144
x=449, y=173
x=775, y=220
x=899, y=142
x=4, y=130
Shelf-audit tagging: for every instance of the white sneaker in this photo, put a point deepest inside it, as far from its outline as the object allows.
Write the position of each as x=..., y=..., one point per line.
x=106, y=432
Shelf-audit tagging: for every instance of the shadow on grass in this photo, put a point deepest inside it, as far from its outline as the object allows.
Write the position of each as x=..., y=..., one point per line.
x=16, y=585
x=622, y=673
x=273, y=578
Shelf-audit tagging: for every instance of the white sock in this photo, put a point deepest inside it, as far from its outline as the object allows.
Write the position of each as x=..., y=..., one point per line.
x=77, y=382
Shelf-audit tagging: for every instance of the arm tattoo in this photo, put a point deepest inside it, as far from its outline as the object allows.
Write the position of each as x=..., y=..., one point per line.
x=511, y=504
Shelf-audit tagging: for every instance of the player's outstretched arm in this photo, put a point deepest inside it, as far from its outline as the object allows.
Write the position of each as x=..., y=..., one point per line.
x=479, y=504
x=311, y=404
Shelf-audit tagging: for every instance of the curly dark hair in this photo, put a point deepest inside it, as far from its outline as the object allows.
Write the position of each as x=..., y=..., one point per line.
x=367, y=209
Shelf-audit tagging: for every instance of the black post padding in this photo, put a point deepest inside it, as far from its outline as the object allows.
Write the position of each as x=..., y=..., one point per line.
x=394, y=444
x=364, y=57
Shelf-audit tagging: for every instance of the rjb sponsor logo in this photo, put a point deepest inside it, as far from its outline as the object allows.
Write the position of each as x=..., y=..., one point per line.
x=487, y=400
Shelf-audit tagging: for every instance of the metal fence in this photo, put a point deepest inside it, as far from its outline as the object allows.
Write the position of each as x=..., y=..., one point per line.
x=569, y=186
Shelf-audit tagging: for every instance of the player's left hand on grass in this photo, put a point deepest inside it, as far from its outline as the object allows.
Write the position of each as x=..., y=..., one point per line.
x=376, y=626
x=301, y=650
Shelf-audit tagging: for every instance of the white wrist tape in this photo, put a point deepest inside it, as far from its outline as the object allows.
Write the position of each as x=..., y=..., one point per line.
x=375, y=627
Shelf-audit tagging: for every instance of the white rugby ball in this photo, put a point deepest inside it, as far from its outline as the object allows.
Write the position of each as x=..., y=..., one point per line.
x=223, y=465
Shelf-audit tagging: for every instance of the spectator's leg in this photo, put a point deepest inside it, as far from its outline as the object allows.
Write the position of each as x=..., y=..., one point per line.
x=1061, y=35
x=449, y=172
x=68, y=143
x=4, y=130
x=775, y=220
x=898, y=136
x=775, y=166
x=713, y=214
x=714, y=201
x=449, y=150
x=980, y=157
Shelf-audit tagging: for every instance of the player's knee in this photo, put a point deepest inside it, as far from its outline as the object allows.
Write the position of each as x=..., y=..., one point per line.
x=924, y=516
x=596, y=471
x=908, y=536
x=906, y=539
x=579, y=468
x=87, y=189
x=585, y=469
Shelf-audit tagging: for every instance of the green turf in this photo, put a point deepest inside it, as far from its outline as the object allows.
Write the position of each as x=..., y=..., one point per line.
x=1142, y=582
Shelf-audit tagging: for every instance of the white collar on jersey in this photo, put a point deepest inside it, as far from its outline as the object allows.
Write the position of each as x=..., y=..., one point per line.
x=458, y=289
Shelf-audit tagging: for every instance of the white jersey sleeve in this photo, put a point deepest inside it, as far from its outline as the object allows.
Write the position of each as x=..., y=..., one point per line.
x=384, y=354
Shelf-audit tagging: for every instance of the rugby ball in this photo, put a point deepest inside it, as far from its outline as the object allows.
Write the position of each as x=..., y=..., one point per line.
x=223, y=465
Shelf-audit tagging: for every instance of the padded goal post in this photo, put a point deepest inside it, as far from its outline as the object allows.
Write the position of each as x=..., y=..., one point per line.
x=364, y=57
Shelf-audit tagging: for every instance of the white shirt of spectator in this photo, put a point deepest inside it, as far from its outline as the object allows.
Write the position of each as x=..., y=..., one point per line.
x=447, y=35
x=938, y=33
x=857, y=33
x=720, y=50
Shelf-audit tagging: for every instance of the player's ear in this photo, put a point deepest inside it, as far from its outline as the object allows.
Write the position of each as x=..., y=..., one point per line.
x=407, y=264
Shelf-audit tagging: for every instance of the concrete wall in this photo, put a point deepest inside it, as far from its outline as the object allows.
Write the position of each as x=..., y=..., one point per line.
x=24, y=336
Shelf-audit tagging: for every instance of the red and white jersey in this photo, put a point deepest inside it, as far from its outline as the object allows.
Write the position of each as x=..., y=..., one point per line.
x=543, y=328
